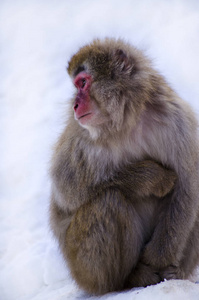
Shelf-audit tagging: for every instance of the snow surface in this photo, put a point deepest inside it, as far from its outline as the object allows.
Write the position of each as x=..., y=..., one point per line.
x=37, y=39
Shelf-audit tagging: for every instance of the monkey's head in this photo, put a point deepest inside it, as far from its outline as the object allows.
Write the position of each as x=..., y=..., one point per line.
x=113, y=84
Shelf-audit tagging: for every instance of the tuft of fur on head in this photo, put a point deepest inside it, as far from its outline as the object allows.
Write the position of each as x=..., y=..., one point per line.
x=108, y=56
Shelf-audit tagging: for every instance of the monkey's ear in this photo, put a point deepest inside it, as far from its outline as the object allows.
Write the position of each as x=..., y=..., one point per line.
x=122, y=60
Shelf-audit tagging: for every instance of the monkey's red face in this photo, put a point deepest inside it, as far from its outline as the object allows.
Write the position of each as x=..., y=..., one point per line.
x=82, y=106
x=85, y=109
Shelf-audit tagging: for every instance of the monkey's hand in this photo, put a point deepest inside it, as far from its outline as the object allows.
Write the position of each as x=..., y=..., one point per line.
x=165, y=184
x=153, y=178
x=143, y=178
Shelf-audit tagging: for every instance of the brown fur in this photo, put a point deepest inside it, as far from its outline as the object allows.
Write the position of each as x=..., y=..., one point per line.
x=107, y=180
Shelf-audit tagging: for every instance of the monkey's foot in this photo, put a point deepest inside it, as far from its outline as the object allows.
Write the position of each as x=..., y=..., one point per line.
x=142, y=275
x=172, y=272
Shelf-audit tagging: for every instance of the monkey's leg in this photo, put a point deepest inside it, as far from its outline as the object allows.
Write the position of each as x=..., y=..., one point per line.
x=190, y=258
x=191, y=253
x=169, y=239
x=103, y=243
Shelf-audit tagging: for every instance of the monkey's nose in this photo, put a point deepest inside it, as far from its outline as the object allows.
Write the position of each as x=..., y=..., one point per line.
x=75, y=107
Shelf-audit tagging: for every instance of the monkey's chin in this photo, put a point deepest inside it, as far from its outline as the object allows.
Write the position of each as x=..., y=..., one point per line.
x=90, y=123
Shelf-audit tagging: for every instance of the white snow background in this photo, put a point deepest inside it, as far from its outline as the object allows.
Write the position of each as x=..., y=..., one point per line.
x=37, y=38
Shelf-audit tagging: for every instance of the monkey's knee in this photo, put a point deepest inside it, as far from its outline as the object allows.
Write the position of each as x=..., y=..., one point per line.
x=95, y=272
x=100, y=247
x=96, y=281
x=95, y=262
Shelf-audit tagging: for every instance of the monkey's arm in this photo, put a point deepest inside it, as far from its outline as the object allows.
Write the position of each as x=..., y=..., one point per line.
x=179, y=210
x=145, y=178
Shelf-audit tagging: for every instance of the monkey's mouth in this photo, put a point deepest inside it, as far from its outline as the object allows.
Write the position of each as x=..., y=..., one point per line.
x=83, y=116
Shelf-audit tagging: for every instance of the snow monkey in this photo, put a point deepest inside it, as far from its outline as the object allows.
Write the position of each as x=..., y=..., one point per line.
x=125, y=179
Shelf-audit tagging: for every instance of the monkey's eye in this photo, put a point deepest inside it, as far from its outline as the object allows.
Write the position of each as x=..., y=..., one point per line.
x=83, y=83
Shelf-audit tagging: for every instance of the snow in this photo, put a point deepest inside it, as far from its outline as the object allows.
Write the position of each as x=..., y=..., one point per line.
x=37, y=39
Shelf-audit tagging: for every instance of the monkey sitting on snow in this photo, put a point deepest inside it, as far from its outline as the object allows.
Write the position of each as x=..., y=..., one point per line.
x=125, y=174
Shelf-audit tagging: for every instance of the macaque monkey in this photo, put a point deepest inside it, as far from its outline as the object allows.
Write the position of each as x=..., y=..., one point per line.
x=125, y=174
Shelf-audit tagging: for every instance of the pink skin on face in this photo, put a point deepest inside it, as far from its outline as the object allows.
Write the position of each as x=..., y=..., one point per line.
x=82, y=106
x=85, y=109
